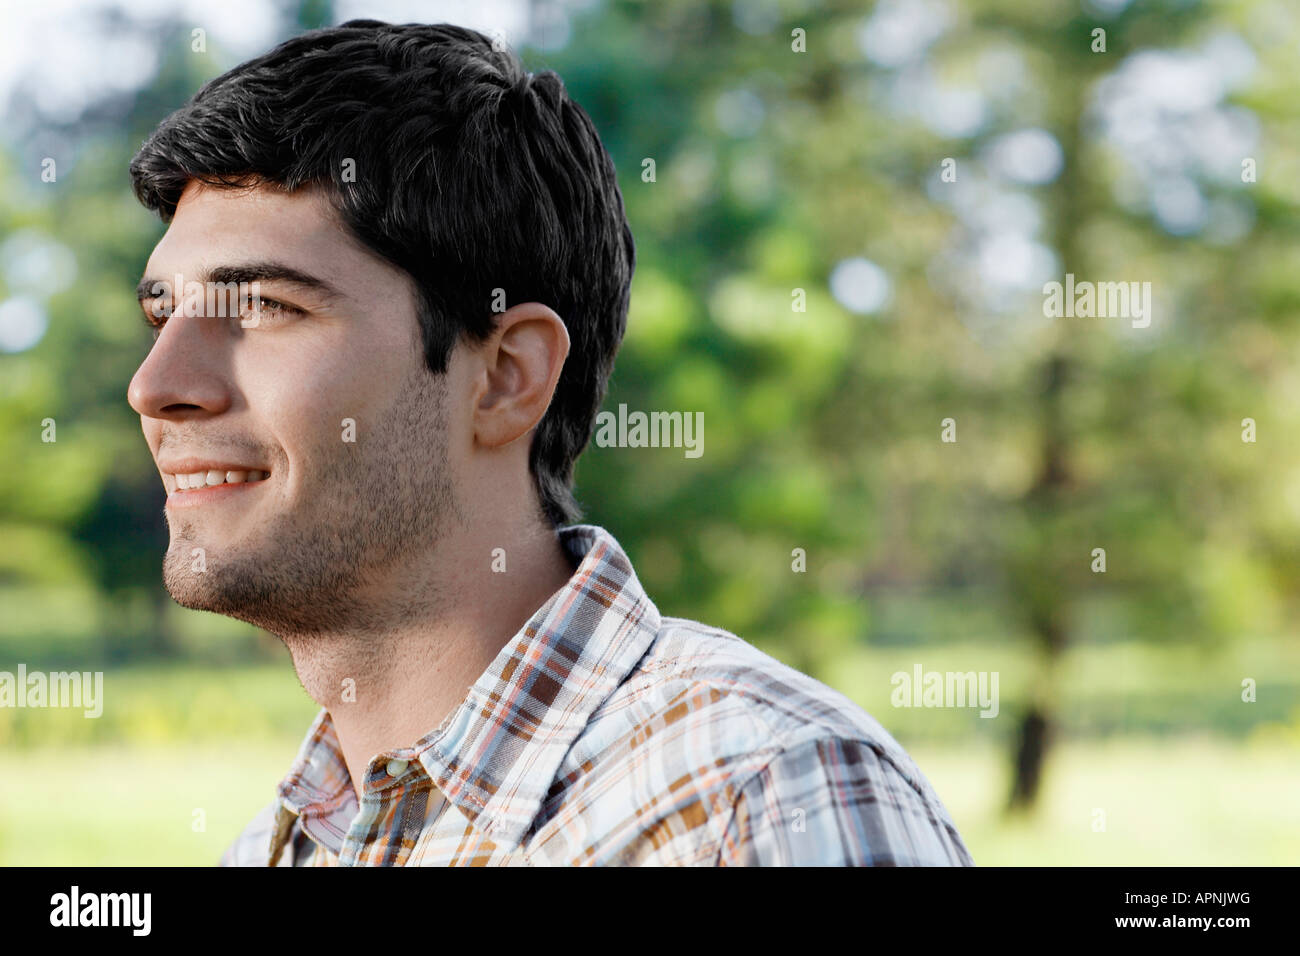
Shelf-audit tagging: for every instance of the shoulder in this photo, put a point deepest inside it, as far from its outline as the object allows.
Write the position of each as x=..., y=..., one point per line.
x=253, y=845
x=783, y=707
x=707, y=728
x=837, y=801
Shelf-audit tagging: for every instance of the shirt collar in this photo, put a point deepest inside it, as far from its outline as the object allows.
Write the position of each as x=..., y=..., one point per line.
x=496, y=755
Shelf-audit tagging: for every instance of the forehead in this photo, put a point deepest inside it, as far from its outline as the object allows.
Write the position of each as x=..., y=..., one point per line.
x=214, y=225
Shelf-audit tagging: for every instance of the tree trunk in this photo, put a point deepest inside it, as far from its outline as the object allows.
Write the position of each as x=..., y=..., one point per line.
x=1049, y=598
x=1035, y=732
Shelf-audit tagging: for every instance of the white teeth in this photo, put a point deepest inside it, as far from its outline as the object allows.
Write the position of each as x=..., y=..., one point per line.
x=210, y=479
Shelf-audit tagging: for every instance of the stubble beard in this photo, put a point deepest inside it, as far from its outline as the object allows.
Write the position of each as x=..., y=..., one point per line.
x=372, y=506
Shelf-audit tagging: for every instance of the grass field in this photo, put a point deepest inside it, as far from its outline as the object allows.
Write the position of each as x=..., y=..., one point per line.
x=1177, y=803
x=1191, y=801
x=184, y=756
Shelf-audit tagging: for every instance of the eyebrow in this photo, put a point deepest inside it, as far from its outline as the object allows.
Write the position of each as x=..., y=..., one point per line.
x=260, y=270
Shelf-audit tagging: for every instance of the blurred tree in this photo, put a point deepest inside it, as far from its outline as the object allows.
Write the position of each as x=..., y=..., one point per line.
x=776, y=169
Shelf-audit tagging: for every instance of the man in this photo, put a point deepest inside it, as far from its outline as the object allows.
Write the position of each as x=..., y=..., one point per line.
x=375, y=464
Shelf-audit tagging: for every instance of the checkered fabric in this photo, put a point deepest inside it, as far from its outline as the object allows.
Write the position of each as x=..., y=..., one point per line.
x=605, y=734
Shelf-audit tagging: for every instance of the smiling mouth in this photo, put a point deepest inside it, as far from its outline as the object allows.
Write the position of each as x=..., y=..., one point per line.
x=200, y=480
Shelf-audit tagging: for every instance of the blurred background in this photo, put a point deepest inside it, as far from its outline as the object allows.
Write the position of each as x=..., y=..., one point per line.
x=1148, y=714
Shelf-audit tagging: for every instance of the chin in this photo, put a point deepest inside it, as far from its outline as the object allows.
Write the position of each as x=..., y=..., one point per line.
x=189, y=590
x=194, y=582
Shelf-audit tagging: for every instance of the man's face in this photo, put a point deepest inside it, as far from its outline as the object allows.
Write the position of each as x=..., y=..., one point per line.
x=324, y=389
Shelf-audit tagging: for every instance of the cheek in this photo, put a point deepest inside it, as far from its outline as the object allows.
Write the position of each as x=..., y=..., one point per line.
x=315, y=403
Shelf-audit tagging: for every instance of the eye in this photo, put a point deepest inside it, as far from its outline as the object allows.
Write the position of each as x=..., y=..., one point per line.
x=155, y=316
x=259, y=312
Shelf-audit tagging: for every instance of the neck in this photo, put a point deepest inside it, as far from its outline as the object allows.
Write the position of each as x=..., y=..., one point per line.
x=424, y=636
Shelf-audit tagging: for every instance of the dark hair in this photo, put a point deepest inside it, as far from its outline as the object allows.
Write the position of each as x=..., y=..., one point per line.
x=471, y=175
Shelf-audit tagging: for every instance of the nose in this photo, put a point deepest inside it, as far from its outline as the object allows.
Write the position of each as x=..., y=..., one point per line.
x=186, y=373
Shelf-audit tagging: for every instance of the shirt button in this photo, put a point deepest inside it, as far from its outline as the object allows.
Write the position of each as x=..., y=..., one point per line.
x=395, y=767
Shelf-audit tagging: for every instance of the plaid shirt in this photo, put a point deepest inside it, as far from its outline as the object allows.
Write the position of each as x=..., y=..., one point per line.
x=605, y=734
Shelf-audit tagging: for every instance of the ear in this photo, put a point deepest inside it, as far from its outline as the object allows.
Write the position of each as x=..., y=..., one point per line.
x=521, y=364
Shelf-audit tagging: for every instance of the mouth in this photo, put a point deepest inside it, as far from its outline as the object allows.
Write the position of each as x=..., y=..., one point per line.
x=194, y=484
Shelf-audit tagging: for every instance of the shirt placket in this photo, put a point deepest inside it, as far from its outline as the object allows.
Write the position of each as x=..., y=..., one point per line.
x=392, y=814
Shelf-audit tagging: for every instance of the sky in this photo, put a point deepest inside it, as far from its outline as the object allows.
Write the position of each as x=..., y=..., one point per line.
x=68, y=47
